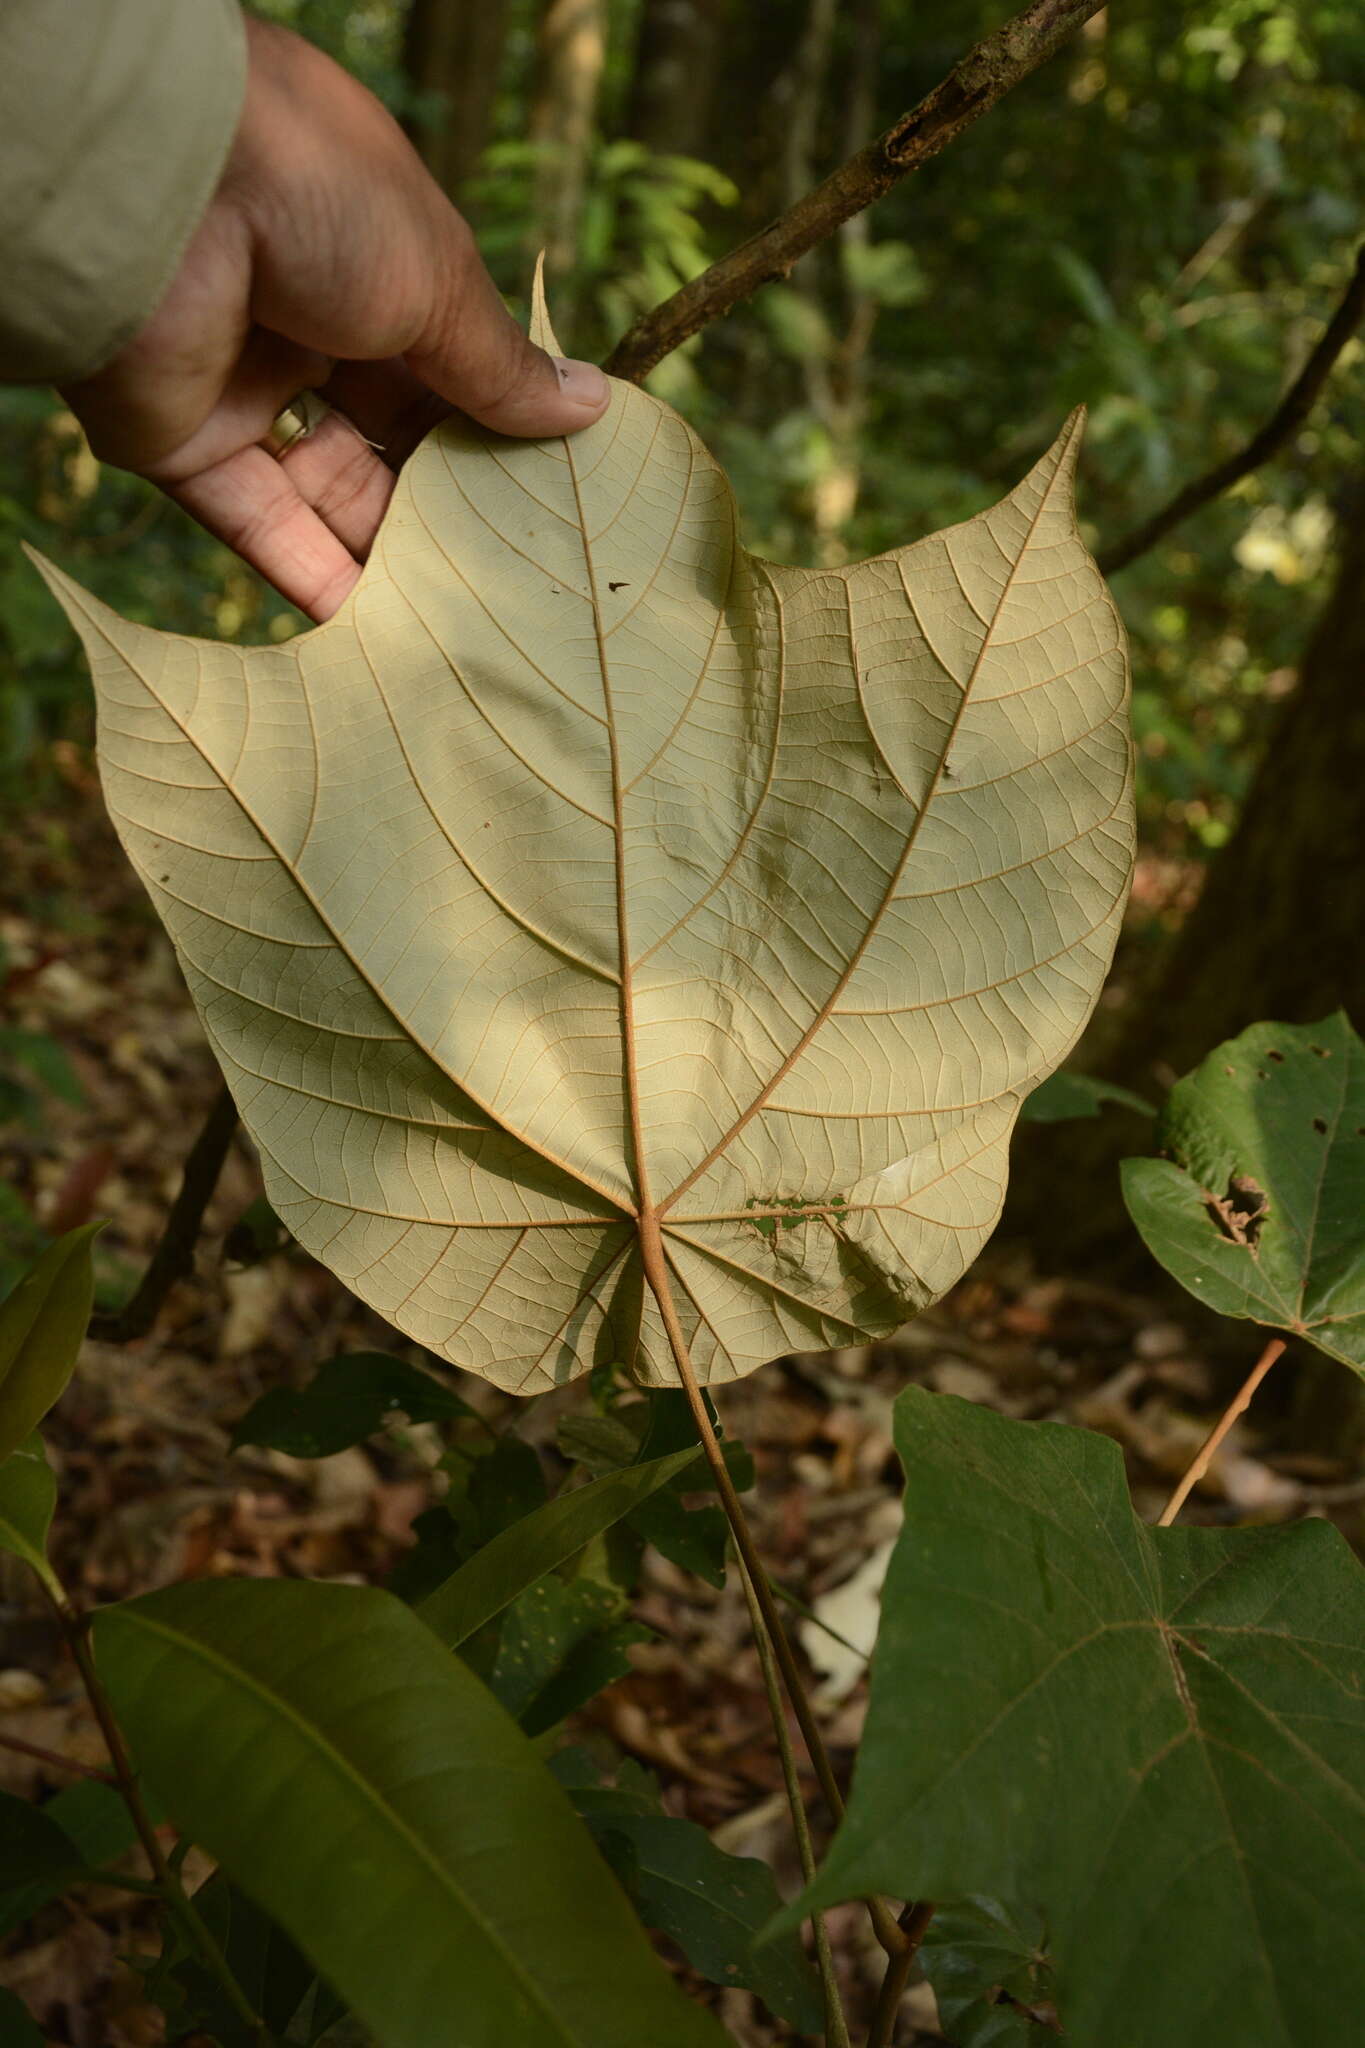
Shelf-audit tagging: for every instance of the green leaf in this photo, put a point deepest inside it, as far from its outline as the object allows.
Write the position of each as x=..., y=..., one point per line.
x=348, y=1399
x=525, y=1552
x=712, y=1904
x=96, y=1825
x=33, y=1848
x=18, y=2028
x=1153, y=1737
x=272, y=1973
x=45, y=1060
x=1260, y=1208
x=990, y=1974
x=1064, y=1096
x=364, y=1789
x=28, y=1497
x=558, y=1646
x=41, y=1326
x=592, y=911
x=695, y=1539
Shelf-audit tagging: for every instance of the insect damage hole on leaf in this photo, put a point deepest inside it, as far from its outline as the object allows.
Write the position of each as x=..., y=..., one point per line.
x=795, y=878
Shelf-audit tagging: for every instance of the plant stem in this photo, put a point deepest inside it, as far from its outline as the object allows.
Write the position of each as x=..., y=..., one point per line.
x=53, y=1757
x=836, y=2026
x=173, y=1258
x=884, y=1921
x=1204, y=1455
x=914, y=1921
x=165, y=1883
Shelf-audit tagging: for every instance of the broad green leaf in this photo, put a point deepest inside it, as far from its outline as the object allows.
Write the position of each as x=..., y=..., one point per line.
x=364, y=1789
x=347, y=1400
x=41, y=1326
x=593, y=912
x=1152, y=1737
x=990, y=1974
x=558, y=1646
x=525, y=1552
x=1260, y=1208
x=711, y=1903
x=1063, y=1096
x=28, y=1496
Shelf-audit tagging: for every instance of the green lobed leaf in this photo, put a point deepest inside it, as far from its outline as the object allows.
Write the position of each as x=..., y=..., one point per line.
x=535, y=1545
x=559, y=1644
x=28, y=1499
x=42, y=1324
x=990, y=1973
x=1260, y=1208
x=592, y=912
x=1155, y=1738
x=366, y=1791
x=347, y=1400
x=1064, y=1096
x=711, y=1903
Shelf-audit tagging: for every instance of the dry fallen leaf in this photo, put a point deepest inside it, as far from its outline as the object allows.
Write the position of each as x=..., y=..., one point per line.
x=602, y=928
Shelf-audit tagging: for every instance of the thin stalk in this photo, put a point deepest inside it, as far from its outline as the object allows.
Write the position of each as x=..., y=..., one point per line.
x=836, y=2026
x=1203, y=1457
x=55, y=1759
x=884, y=1921
x=165, y=1883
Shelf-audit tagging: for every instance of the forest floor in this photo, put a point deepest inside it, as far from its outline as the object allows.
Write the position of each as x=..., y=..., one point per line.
x=151, y=1493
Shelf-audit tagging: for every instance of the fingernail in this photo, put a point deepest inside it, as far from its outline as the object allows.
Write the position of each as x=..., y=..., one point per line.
x=584, y=383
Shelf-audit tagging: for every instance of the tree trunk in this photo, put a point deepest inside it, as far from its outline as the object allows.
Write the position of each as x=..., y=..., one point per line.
x=452, y=57
x=676, y=58
x=1279, y=929
x=571, y=51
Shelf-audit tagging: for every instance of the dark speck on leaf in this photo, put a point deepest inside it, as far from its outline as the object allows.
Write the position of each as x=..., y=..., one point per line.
x=618, y=586
x=1271, y=1054
x=1320, y=1126
x=1323, y=1052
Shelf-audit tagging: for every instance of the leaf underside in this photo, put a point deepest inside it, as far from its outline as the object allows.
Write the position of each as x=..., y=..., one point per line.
x=587, y=871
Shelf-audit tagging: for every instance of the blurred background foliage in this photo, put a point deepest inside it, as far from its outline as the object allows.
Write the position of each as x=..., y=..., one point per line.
x=1157, y=224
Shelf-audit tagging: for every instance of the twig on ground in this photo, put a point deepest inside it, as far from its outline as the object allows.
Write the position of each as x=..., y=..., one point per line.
x=971, y=89
x=1204, y=1455
x=173, y=1258
x=1283, y=423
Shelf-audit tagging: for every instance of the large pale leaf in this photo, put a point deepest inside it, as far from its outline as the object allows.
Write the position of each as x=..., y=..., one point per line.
x=1259, y=1209
x=591, y=901
x=365, y=1790
x=1151, y=1738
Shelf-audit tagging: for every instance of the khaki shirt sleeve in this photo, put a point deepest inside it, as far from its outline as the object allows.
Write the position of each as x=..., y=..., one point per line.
x=116, y=117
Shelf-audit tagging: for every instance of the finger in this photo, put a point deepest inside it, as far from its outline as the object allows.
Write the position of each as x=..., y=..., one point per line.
x=389, y=404
x=345, y=481
x=477, y=357
x=252, y=503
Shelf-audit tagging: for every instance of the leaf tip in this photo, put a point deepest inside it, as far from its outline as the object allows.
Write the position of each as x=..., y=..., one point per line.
x=541, y=331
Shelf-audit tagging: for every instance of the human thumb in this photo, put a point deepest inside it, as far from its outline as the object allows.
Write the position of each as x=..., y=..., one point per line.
x=476, y=357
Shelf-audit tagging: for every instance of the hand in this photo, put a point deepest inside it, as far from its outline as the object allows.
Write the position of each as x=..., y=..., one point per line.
x=329, y=259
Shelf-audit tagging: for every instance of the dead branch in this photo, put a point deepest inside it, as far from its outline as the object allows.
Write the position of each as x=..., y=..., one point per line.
x=1283, y=424
x=971, y=89
x=173, y=1258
